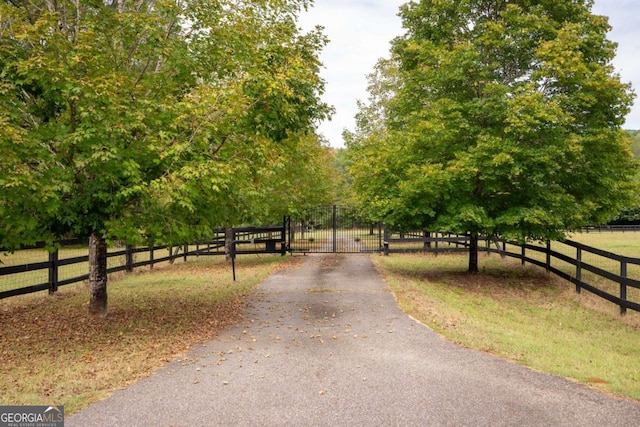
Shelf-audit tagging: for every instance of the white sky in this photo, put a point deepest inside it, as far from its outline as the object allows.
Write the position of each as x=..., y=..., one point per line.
x=360, y=32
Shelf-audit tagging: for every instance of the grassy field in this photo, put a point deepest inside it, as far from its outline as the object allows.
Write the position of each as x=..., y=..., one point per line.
x=52, y=353
x=522, y=314
x=627, y=244
x=620, y=243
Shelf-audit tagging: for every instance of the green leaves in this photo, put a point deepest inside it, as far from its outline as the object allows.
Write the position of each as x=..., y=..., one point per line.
x=504, y=119
x=159, y=120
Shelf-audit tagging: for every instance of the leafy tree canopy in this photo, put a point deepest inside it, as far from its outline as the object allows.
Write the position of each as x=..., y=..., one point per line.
x=151, y=120
x=504, y=119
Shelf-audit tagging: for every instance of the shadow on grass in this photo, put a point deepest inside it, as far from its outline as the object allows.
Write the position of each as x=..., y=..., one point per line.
x=500, y=278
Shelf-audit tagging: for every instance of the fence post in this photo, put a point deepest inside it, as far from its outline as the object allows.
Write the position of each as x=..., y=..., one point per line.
x=151, y=249
x=129, y=258
x=427, y=240
x=548, y=256
x=186, y=251
x=623, y=286
x=578, y=269
x=524, y=253
x=53, y=272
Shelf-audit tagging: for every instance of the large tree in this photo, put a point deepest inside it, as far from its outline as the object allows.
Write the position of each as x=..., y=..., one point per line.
x=505, y=121
x=148, y=120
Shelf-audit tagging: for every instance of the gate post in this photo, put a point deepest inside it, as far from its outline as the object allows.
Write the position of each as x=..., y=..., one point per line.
x=286, y=225
x=334, y=221
x=386, y=241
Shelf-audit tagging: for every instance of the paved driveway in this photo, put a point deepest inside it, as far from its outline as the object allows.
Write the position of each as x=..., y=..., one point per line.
x=326, y=345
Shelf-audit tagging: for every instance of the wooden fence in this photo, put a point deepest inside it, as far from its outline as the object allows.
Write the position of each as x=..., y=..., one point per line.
x=612, y=228
x=620, y=270
x=45, y=275
x=613, y=277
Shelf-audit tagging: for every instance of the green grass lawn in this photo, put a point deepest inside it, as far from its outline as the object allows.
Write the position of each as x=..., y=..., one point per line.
x=627, y=243
x=522, y=314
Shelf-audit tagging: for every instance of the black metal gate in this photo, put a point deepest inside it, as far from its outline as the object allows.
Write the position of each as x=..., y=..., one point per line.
x=333, y=229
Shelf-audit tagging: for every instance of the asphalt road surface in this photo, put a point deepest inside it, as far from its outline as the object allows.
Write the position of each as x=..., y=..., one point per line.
x=326, y=345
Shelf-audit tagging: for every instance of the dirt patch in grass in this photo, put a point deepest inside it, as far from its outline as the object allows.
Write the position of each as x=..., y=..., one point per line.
x=53, y=353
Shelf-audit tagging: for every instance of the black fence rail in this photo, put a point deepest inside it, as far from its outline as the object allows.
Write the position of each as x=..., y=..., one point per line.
x=423, y=241
x=616, y=278
x=613, y=277
x=253, y=240
x=32, y=269
x=612, y=228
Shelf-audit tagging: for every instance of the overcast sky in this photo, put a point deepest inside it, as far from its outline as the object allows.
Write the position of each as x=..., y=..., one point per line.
x=360, y=32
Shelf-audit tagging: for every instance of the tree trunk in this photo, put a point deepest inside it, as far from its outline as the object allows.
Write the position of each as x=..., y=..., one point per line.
x=97, y=276
x=228, y=242
x=473, y=252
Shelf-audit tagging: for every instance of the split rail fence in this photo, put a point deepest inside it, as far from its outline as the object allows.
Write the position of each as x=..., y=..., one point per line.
x=33, y=269
x=616, y=278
